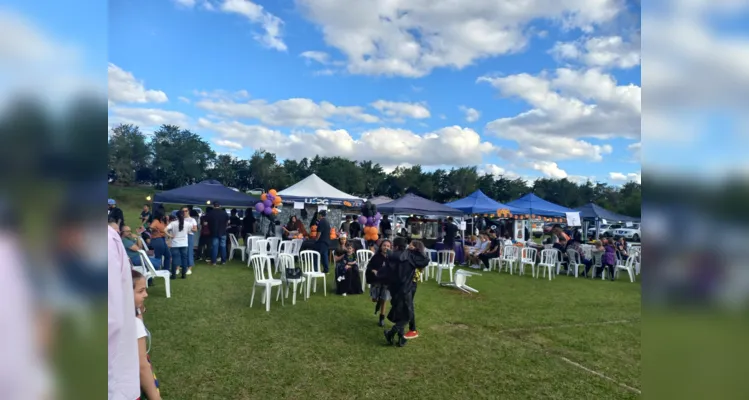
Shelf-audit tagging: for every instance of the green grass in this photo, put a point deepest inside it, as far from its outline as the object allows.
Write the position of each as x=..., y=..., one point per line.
x=510, y=341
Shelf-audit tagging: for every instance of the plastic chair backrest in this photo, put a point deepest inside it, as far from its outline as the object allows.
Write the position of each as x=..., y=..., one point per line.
x=363, y=257
x=286, y=247
x=146, y=262
x=261, y=265
x=143, y=242
x=573, y=256
x=549, y=256
x=310, y=258
x=529, y=254
x=286, y=261
x=432, y=254
x=510, y=253
x=273, y=243
x=233, y=240
x=446, y=257
x=262, y=247
x=297, y=246
x=252, y=245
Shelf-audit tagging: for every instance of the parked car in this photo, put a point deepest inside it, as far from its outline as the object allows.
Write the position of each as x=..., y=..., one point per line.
x=630, y=233
x=607, y=230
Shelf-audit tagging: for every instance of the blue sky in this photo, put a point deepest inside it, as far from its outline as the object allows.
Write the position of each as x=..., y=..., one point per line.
x=221, y=73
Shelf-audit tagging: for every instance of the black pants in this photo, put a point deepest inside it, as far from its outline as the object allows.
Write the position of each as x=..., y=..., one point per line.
x=486, y=257
x=324, y=251
x=204, y=246
x=412, y=322
x=608, y=267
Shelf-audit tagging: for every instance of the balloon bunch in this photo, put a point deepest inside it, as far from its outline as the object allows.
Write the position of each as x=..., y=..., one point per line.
x=370, y=219
x=268, y=203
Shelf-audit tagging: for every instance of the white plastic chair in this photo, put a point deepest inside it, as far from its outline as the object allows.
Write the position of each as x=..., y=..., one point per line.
x=460, y=281
x=548, y=262
x=445, y=261
x=597, y=257
x=235, y=247
x=628, y=266
x=509, y=258
x=362, y=259
x=143, y=243
x=252, y=247
x=296, y=247
x=262, y=247
x=311, y=259
x=273, y=243
x=151, y=272
x=286, y=247
x=286, y=261
x=429, y=269
x=637, y=252
x=264, y=278
x=574, y=261
x=528, y=257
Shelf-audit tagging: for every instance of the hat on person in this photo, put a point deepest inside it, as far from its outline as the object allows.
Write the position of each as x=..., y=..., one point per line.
x=111, y=202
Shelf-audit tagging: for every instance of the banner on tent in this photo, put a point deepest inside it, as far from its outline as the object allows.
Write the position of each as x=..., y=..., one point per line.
x=573, y=219
x=322, y=201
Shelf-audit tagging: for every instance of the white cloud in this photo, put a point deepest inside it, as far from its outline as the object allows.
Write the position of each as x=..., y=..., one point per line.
x=412, y=37
x=297, y=112
x=271, y=24
x=184, y=99
x=228, y=143
x=549, y=169
x=389, y=147
x=496, y=171
x=395, y=109
x=271, y=36
x=603, y=52
x=319, y=56
x=622, y=178
x=148, y=119
x=472, y=114
x=567, y=106
x=636, y=149
x=124, y=88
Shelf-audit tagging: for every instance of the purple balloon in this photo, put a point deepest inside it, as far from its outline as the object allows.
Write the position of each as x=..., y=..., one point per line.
x=268, y=211
x=378, y=216
x=370, y=220
x=362, y=220
x=260, y=207
x=270, y=197
x=268, y=203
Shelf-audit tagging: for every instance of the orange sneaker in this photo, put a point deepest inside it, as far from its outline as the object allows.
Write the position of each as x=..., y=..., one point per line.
x=411, y=335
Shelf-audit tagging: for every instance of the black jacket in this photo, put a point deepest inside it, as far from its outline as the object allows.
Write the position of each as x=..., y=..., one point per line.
x=377, y=262
x=401, y=269
x=450, y=231
x=323, y=228
x=217, y=222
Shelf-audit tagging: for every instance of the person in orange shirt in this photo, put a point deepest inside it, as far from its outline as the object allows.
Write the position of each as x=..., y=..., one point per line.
x=158, y=239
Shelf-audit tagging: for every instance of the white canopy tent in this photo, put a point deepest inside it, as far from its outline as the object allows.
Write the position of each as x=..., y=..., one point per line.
x=313, y=190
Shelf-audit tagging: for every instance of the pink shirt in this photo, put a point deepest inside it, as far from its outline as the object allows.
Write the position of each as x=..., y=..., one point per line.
x=123, y=370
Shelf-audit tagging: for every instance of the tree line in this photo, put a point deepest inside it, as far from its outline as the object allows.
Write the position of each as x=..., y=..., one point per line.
x=175, y=157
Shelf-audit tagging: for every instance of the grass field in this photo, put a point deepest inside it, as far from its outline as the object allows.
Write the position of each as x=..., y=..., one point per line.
x=519, y=338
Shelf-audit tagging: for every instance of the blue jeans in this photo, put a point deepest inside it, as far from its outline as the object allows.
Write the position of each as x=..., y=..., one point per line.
x=190, y=250
x=156, y=262
x=179, y=259
x=218, y=242
x=324, y=251
x=160, y=249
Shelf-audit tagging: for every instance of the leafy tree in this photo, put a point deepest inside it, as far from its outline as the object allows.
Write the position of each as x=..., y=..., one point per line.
x=128, y=153
x=180, y=157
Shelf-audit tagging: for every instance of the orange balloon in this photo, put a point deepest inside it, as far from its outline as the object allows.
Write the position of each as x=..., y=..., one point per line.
x=277, y=200
x=275, y=211
x=264, y=197
x=272, y=192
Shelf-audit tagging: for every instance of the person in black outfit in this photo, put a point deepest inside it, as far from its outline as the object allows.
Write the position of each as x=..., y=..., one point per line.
x=217, y=224
x=492, y=252
x=323, y=240
x=204, y=242
x=248, y=224
x=145, y=215
x=355, y=228
x=116, y=213
x=385, y=227
x=450, y=231
x=400, y=274
x=234, y=223
x=378, y=287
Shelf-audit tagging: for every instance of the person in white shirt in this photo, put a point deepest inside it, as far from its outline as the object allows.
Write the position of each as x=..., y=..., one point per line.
x=123, y=382
x=473, y=254
x=149, y=385
x=192, y=217
x=179, y=231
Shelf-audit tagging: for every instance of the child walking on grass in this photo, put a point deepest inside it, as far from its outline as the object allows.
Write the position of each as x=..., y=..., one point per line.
x=149, y=385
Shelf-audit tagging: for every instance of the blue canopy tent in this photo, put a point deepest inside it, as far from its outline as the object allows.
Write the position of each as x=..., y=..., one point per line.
x=203, y=192
x=593, y=211
x=479, y=203
x=534, y=205
x=413, y=204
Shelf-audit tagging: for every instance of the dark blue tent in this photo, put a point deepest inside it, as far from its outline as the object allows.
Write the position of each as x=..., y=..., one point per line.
x=479, y=203
x=413, y=204
x=203, y=192
x=534, y=205
x=593, y=211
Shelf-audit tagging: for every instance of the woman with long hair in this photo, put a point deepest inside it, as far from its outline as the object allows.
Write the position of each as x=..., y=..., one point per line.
x=294, y=225
x=179, y=230
x=158, y=238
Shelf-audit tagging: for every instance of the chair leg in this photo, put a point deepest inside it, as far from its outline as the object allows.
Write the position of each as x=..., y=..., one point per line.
x=168, y=287
x=279, y=295
x=267, y=298
x=252, y=299
x=324, y=286
x=293, y=297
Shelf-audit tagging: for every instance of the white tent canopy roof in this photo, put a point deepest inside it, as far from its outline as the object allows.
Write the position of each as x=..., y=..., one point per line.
x=314, y=187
